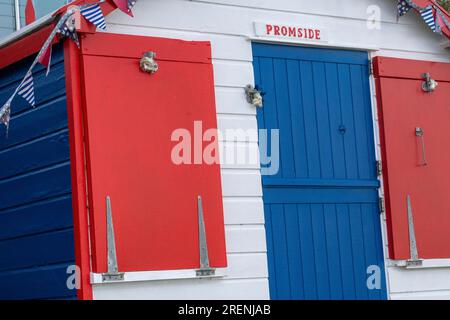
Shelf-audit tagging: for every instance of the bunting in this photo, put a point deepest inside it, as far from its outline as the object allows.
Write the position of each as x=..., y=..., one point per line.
x=432, y=14
x=403, y=7
x=68, y=30
x=26, y=89
x=5, y=114
x=46, y=59
x=428, y=16
x=30, y=13
x=94, y=15
x=439, y=23
x=125, y=6
x=443, y=18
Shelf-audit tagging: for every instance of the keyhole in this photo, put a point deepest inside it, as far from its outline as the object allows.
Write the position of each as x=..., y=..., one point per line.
x=342, y=129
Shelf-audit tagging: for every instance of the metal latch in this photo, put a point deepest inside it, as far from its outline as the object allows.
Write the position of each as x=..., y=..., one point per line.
x=113, y=273
x=421, y=135
x=205, y=269
x=414, y=261
x=429, y=85
x=254, y=96
x=148, y=63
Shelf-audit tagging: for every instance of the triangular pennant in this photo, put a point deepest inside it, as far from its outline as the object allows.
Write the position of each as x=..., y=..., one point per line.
x=94, y=15
x=428, y=16
x=30, y=14
x=443, y=18
x=46, y=58
x=26, y=89
x=5, y=114
x=439, y=23
x=403, y=7
x=126, y=6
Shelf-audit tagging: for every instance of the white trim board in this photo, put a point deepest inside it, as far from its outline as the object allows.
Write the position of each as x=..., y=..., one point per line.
x=96, y=278
x=325, y=44
x=426, y=264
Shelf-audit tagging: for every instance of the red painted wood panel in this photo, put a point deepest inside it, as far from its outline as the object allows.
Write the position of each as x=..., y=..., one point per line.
x=130, y=117
x=166, y=49
x=77, y=165
x=403, y=68
x=403, y=106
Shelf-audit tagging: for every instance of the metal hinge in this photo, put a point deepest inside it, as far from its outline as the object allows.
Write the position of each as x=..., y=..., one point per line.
x=205, y=270
x=379, y=168
x=382, y=205
x=414, y=261
x=370, y=67
x=113, y=273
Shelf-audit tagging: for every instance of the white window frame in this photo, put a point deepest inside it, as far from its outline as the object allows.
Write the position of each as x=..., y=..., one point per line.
x=17, y=14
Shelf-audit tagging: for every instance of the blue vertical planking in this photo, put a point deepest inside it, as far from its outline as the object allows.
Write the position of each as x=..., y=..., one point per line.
x=321, y=208
x=36, y=226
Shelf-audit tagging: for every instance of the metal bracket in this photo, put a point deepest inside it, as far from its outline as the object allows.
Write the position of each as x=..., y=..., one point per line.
x=113, y=273
x=429, y=85
x=414, y=261
x=371, y=71
x=148, y=63
x=254, y=96
x=205, y=270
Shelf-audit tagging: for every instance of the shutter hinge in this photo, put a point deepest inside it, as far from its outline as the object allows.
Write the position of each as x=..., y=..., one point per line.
x=370, y=67
x=205, y=269
x=113, y=273
x=382, y=205
x=414, y=261
x=379, y=168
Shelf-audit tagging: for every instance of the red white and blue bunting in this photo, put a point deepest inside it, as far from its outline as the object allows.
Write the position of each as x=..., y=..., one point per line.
x=94, y=15
x=432, y=15
x=66, y=27
x=428, y=16
x=403, y=7
x=125, y=5
x=26, y=89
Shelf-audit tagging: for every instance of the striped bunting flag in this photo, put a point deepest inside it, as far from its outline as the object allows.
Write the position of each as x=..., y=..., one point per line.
x=5, y=114
x=428, y=16
x=94, y=15
x=26, y=89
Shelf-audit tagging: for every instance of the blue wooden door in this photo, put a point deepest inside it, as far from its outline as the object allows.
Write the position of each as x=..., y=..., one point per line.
x=321, y=207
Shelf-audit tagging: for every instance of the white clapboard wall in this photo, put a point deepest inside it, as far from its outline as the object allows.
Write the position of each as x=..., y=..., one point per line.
x=228, y=24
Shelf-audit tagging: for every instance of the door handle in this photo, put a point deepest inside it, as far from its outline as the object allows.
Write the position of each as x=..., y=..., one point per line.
x=421, y=135
x=342, y=129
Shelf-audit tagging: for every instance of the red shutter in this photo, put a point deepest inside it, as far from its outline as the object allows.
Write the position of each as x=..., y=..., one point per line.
x=403, y=107
x=129, y=117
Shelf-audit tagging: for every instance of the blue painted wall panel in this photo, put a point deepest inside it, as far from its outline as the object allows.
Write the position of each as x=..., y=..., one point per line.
x=321, y=208
x=36, y=226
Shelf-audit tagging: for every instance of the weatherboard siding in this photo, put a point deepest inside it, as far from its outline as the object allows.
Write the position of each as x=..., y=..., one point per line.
x=228, y=24
x=36, y=227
